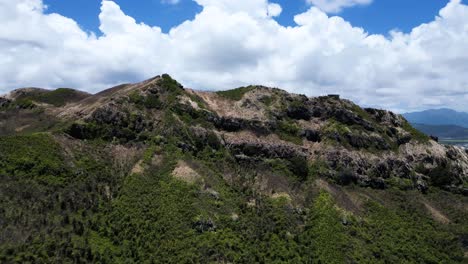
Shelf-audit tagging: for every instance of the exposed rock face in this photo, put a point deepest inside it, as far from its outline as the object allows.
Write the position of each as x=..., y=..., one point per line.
x=386, y=117
x=299, y=110
x=238, y=124
x=369, y=147
x=109, y=115
x=312, y=135
x=265, y=150
x=4, y=102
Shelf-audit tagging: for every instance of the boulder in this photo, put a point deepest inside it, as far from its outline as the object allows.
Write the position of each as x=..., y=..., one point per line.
x=204, y=225
x=109, y=115
x=385, y=117
x=311, y=135
x=348, y=117
x=403, y=139
x=299, y=112
x=4, y=102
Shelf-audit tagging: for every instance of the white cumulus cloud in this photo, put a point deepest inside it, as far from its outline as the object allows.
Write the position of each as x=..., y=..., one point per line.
x=234, y=43
x=274, y=9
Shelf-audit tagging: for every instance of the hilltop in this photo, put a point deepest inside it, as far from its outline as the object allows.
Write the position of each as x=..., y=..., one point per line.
x=156, y=172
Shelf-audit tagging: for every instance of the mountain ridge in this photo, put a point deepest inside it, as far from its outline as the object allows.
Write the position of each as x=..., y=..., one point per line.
x=442, y=116
x=155, y=172
x=265, y=112
x=443, y=131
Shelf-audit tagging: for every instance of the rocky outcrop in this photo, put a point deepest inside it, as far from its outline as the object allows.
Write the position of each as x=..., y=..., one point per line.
x=4, y=102
x=312, y=135
x=348, y=117
x=258, y=149
x=111, y=115
x=237, y=124
x=362, y=141
x=298, y=109
x=204, y=225
x=386, y=118
x=369, y=147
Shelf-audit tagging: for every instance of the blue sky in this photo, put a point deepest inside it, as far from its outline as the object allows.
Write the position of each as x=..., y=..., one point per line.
x=379, y=17
x=318, y=47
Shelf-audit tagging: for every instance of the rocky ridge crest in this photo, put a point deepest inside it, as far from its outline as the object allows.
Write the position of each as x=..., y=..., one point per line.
x=338, y=139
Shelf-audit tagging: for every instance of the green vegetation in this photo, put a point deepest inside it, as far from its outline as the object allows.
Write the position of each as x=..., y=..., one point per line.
x=269, y=100
x=296, y=168
x=58, y=97
x=150, y=101
x=318, y=168
x=362, y=113
x=324, y=233
x=140, y=181
x=401, y=183
x=197, y=99
x=236, y=94
x=52, y=196
x=415, y=134
x=387, y=236
x=191, y=116
x=24, y=104
x=170, y=85
x=356, y=137
x=442, y=175
x=158, y=99
x=25, y=157
x=338, y=127
x=288, y=130
x=106, y=132
x=79, y=209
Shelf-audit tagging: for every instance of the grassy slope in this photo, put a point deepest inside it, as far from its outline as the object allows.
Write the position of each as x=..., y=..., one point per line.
x=236, y=94
x=55, y=211
x=67, y=203
x=58, y=97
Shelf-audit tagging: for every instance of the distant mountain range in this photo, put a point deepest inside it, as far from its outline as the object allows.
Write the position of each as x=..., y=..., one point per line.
x=438, y=117
x=443, y=123
x=443, y=131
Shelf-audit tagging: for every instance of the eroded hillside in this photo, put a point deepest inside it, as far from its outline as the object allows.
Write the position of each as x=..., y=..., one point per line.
x=158, y=173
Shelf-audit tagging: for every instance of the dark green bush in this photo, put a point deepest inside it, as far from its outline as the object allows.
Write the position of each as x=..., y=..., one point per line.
x=25, y=104
x=170, y=85
x=152, y=102
x=289, y=131
x=300, y=167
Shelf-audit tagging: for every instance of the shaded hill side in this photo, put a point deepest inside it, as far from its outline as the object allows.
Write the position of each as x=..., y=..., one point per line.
x=443, y=131
x=152, y=172
x=80, y=203
x=58, y=97
x=438, y=117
